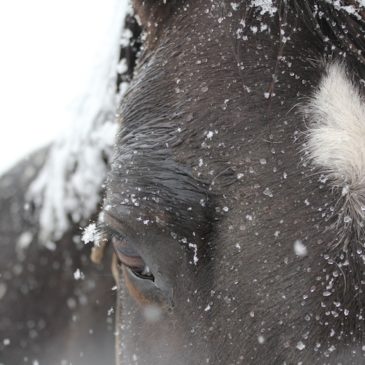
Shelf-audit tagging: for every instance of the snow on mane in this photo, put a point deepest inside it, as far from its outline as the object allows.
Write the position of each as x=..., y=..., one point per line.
x=67, y=189
x=266, y=6
x=353, y=9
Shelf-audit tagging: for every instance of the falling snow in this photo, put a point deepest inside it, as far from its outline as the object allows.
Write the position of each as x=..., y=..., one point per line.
x=78, y=275
x=300, y=249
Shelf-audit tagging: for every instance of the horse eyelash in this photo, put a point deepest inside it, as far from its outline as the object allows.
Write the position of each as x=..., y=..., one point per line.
x=103, y=230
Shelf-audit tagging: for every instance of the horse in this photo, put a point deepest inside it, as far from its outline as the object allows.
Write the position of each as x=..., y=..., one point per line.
x=234, y=203
x=235, y=200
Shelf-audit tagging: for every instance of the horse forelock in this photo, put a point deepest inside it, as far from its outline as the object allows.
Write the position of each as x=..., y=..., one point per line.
x=335, y=145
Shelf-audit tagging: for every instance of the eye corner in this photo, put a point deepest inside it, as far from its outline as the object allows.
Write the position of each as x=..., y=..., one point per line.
x=131, y=259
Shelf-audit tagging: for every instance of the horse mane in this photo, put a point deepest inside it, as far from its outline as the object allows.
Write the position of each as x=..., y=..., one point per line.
x=339, y=24
x=81, y=156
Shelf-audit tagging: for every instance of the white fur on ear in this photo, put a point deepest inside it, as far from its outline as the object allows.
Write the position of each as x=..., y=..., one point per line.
x=335, y=142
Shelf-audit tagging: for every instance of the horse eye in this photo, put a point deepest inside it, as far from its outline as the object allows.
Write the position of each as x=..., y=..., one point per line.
x=130, y=258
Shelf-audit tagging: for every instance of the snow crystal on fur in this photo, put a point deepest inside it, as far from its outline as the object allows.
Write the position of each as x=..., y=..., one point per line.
x=266, y=6
x=336, y=142
x=353, y=9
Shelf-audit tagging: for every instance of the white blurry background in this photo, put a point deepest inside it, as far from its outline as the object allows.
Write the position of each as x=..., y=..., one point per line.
x=49, y=53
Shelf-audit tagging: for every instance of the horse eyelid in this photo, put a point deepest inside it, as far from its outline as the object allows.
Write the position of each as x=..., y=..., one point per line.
x=110, y=232
x=105, y=229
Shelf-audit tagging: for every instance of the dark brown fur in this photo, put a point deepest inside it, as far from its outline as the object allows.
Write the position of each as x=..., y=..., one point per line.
x=249, y=299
